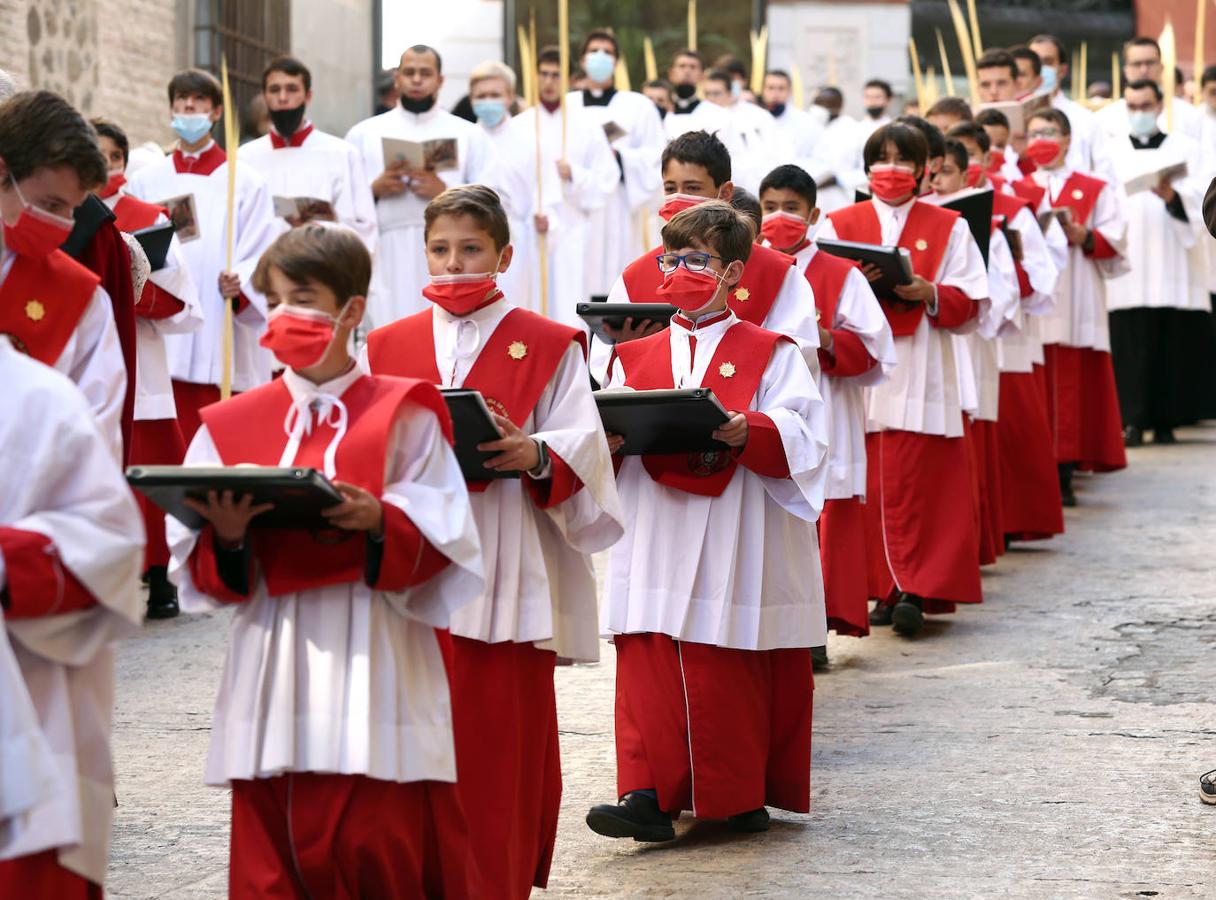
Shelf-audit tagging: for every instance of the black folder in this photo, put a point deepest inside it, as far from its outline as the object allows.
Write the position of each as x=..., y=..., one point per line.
x=861, y=197
x=669, y=421
x=89, y=217
x=976, y=209
x=598, y=313
x=298, y=495
x=472, y=425
x=155, y=241
x=895, y=263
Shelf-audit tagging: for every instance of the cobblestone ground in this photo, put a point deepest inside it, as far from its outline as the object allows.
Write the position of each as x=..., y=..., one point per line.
x=1044, y=744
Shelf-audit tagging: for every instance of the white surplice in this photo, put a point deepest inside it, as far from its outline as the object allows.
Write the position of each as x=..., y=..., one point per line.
x=1087, y=150
x=616, y=232
x=92, y=359
x=198, y=355
x=838, y=159
x=922, y=392
x=62, y=482
x=401, y=262
x=756, y=144
x=344, y=678
x=323, y=167
x=28, y=777
x=740, y=570
x=857, y=311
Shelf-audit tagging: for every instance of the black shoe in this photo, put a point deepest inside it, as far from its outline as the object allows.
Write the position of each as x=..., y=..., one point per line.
x=754, y=821
x=1207, y=787
x=1164, y=436
x=636, y=816
x=880, y=614
x=907, y=617
x=819, y=659
x=1067, y=498
x=162, y=595
x=1133, y=436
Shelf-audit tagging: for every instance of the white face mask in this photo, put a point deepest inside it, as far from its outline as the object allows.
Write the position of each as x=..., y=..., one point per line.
x=1143, y=123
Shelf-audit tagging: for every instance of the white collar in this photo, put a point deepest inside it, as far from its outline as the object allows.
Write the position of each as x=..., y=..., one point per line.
x=418, y=118
x=300, y=387
x=196, y=153
x=882, y=206
x=487, y=313
x=324, y=401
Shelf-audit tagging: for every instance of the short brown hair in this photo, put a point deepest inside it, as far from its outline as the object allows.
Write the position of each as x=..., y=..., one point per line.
x=106, y=128
x=998, y=59
x=291, y=67
x=1055, y=117
x=196, y=81
x=39, y=129
x=715, y=225
x=331, y=255
x=476, y=201
x=951, y=106
x=909, y=141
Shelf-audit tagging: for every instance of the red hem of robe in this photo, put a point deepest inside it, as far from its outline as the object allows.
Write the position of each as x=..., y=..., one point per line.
x=1083, y=408
x=1030, y=484
x=189, y=398
x=842, y=551
x=41, y=875
x=155, y=442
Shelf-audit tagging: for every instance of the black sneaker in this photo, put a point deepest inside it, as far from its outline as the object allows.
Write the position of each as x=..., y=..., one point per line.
x=907, y=617
x=819, y=659
x=1067, y=498
x=755, y=821
x=636, y=816
x=1133, y=436
x=162, y=595
x=1207, y=787
x=880, y=614
x=1164, y=436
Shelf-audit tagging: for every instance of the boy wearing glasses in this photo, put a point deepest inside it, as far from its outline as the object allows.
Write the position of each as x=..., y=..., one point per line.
x=1082, y=402
x=714, y=595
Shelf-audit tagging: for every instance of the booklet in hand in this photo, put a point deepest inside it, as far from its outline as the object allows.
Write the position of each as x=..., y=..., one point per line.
x=303, y=208
x=1060, y=213
x=665, y=421
x=298, y=495
x=472, y=425
x=435, y=155
x=895, y=263
x=1018, y=112
x=598, y=314
x=183, y=213
x=155, y=240
x=1159, y=169
x=976, y=209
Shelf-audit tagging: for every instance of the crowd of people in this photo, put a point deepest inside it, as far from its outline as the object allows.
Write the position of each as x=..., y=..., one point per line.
x=386, y=717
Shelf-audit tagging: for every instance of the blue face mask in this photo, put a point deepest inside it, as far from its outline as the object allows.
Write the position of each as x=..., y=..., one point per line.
x=1049, y=78
x=599, y=65
x=490, y=112
x=191, y=128
x=1143, y=123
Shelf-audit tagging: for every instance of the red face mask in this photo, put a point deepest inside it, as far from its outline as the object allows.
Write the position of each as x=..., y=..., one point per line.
x=462, y=294
x=1043, y=151
x=689, y=291
x=975, y=172
x=37, y=233
x=299, y=338
x=996, y=160
x=677, y=203
x=891, y=182
x=116, y=181
x=783, y=230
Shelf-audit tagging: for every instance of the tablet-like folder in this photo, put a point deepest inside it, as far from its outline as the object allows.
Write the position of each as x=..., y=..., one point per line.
x=472, y=425
x=598, y=314
x=894, y=262
x=298, y=495
x=155, y=241
x=665, y=421
x=89, y=216
x=976, y=209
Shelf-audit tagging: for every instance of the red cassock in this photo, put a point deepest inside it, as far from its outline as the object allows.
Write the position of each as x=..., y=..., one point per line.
x=921, y=515
x=40, y=875
x=503, y=705
x=714, y=730
x=1030, y=484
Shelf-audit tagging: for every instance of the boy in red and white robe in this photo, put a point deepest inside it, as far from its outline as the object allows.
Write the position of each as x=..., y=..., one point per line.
x=856, y=351
x=923, y=545
x=70, y=549
x=168, y=304
x=713, y=601
x=1083, y=405
x=772, y=293
x=333, y=721
x=537, y=530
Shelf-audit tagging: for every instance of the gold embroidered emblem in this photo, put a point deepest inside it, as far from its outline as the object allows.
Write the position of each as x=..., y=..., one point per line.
x=727, y=370
x=1078, y=195
x=35, y=311
x=517, y=350
x=742, y=294
x=922, y=245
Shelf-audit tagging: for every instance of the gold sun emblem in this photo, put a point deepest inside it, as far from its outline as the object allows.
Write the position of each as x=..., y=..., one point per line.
x=742, y=294
x=727, y=370
x=1077, y=194
x=517, y=350
x=35, y=311
x=922, y=245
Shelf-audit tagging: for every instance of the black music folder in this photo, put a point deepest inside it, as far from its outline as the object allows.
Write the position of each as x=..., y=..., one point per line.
x=598, y=313
x=976, y=210
x=472, y=425
x=894, y=262
x=155, y=242
x=665, y=421
x=298, y=495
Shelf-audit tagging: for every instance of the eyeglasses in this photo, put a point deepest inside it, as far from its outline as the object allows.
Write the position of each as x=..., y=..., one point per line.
x=693, y=262
x=1043, y=134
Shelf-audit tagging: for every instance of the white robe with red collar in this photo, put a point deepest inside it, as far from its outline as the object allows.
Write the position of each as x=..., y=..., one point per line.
x=381, y=709
x=1021, y=350
x=740, y=570
x=61, y=483
x=197, y=357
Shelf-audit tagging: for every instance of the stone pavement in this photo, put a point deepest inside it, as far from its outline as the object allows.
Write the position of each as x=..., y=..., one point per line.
x=1044, y=744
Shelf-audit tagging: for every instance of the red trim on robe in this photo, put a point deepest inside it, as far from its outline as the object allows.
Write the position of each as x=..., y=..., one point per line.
x=1102, y=247
x=1030, y=484
x=204, y=569
x=1083, y=408
x=37, y=582
x=763, y=453
x=954, y=308
x=155, y=442
x=157, y=303
x=41, y=875
x=408, y=558
x=1030, y=191
x=842, y=553
x=713, y=730
x=321, y=835
x=1082, y=206
x=204, y=164
x=560, y=485
x=848, y=357
x=828, y=275
x=297, y=138
x=133, y=214
x=42, y=302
